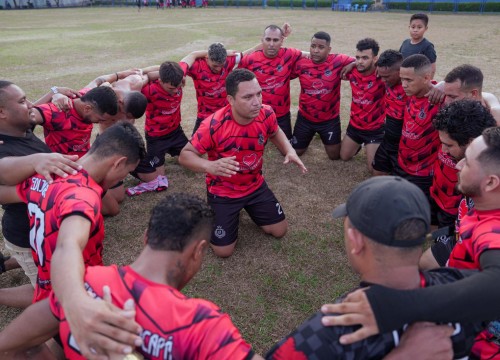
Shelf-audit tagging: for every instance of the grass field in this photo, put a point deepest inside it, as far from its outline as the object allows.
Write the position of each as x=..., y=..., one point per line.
x=268, y=286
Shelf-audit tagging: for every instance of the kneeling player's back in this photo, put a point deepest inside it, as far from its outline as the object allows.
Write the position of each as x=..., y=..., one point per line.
x=174, y=326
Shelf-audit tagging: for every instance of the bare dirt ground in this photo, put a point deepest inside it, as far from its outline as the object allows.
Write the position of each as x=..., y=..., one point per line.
x=268, y=286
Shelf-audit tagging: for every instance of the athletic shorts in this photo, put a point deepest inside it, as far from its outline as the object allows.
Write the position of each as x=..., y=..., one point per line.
x=158, y=147
x=261, y=205
x=423, y=182
x=444, y=241
x=365, y=136
x=440, y=217
x=24, y=258
x=386, y=157
x=285, y=123
x=304, y=131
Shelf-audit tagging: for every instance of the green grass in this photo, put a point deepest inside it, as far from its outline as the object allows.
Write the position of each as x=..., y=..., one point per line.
x=268, y=286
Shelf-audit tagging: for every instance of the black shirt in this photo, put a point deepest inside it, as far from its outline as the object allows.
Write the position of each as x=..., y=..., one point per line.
x=425, y=47
x=15, y=221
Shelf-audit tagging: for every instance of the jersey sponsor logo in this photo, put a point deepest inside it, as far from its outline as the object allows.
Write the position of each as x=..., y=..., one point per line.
x=446, y=160
x=39, y=185
x=261, y=139
x=172, y=110
x=156, y=345
x=271, y=83
x=219, y=232
x=83, y=145
x=328, y=72
x=408, y=131
x=317, y=89
x=250, y=162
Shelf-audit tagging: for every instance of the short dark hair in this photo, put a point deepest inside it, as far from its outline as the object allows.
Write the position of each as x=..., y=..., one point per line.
x=321, y=35
x=217, y=53
x=490, y=157
x=463, y=120
x=420, y=63
x=420, y=16
x=390, y=58
x=103, y=98
x=176, y=220
x=235, y=78
x=367, y=44
x=122, y=139
x=3, y=85
x=274, y=27
x=469, y=76
x=135, y=103
x=171, y=72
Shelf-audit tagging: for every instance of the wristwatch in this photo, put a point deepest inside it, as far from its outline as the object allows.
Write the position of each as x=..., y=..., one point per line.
x=54, y=90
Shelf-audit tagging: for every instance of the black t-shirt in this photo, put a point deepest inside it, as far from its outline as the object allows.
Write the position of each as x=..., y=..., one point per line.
x=15, y=221
x=312, y=340
x=425, y=47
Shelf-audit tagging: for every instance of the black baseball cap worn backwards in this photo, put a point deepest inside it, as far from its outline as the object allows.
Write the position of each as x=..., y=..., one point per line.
x=377, y=206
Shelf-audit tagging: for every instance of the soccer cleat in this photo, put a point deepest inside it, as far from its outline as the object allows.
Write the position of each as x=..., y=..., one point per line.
x=158, y=184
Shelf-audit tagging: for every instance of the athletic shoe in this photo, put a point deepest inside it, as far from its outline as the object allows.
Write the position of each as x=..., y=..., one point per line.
x=158, y=184
x=162, y=183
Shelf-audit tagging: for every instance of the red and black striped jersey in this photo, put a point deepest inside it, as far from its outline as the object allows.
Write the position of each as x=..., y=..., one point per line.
x=319, y=99
x=66, y=132
x=419, y=144
x=444, y=181
x=273, y=76
x=210, y=87
x=395, y=102
x=367, y=106
x=48, y=206
x=173, y=325
x=163, y=112
x=220, y=136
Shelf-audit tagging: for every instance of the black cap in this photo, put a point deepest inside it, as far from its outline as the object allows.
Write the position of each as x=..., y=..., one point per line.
x=377, y=206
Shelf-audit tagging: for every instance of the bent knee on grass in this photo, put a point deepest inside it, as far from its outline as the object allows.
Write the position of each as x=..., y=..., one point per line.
x=276, y=230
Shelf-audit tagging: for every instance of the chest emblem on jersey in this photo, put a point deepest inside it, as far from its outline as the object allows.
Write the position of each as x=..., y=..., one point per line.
x=271, y=81
x=409, y=125
x=422, y=114
x=328, y=72
x=279, y=68
x=318, y=84
x=249, y=160
x=261, y=139
x=370, y=85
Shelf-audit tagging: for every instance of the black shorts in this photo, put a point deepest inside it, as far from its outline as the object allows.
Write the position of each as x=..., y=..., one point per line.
x=423, y=182
x=444, y=242
x=261, y=205
x=386, y=157
x=304, y=131
x=158, y=147
x=285, y=123
x=365, y=136
x=440, y=217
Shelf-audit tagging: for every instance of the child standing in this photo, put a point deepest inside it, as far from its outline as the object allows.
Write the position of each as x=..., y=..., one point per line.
x=417, y=44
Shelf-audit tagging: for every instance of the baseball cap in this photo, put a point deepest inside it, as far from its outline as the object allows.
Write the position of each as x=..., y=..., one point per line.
x=377, y=206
